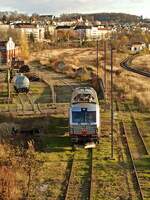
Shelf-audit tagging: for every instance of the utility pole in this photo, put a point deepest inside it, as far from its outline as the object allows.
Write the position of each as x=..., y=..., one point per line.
x=105, y=78
x=97, y=55
x=105, y=66
x=112, y=109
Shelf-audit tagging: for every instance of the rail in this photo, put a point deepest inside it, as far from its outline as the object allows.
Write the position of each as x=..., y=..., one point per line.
x=38, y=107
x=70, y=192
x=138, y=131
x=139, y=190
x=21, y=102
x=126, y=64
x=91, y=177
x=69, y=178
x=29, y=96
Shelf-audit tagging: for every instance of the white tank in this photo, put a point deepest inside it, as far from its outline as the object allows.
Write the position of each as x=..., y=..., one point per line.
x=21, y=81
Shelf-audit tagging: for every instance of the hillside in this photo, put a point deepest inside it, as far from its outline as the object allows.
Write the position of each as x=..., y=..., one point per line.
x=115, y=17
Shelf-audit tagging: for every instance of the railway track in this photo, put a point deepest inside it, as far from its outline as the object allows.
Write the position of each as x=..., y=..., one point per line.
x=25, y=99
x=135, y=136
x=133, y=141
x=53, y=79
x=79, y=184
x=139, y=134
x=21, y=103
x=133, y=167
x=39, y=108
x=29, y=96
x=126, y=64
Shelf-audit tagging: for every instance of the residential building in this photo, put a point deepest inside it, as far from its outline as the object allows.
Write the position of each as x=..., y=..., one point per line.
x=137, y=47
x=82, y=31
x=61, y=32
x=98, y=33
x=66, y=23
x=31, y=30
x=46, y=17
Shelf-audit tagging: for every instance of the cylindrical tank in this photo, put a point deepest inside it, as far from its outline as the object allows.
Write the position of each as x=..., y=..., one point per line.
x=21, y=83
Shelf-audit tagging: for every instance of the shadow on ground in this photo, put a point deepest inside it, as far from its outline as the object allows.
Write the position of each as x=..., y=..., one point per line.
x=47, y=134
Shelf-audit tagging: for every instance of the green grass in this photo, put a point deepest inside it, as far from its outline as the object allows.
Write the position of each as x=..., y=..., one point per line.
x=55, y=143
x=143, y=163
x=109, y=182
x=143, y=169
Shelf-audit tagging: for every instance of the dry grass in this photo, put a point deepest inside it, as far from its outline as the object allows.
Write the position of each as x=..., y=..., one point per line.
x=67, y=61
x=142, y=62
x=133, y=86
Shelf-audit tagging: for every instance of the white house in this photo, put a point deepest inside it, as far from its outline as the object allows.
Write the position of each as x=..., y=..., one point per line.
x=98, y=33
x=137, y=47
x=31, y=29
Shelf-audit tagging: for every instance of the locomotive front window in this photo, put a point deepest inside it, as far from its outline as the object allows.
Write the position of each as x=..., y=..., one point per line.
x=78, y=117
x=83, y=116
x=91, y=116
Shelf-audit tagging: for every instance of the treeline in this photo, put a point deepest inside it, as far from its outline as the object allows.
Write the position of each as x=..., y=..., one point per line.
x=7, y=17
x=115, y=17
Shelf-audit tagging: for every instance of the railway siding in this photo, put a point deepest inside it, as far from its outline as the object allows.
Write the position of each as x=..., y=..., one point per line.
x=21, y=103
x=136, y=177
x=142, y=120
x=138, y=153
x=29, y=96
x=135, y=138
x=126, y=64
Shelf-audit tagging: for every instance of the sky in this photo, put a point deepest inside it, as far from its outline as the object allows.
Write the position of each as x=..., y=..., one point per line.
x=57, y=7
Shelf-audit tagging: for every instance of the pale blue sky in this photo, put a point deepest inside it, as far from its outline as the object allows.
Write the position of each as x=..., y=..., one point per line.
x=56, y=7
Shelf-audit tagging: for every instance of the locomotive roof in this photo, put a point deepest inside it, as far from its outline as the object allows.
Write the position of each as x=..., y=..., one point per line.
x=84, y=95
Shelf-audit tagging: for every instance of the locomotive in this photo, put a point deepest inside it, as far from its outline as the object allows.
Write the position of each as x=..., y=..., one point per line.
x=84, y=116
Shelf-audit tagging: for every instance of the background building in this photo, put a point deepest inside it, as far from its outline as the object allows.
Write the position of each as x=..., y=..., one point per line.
x=31, y=30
